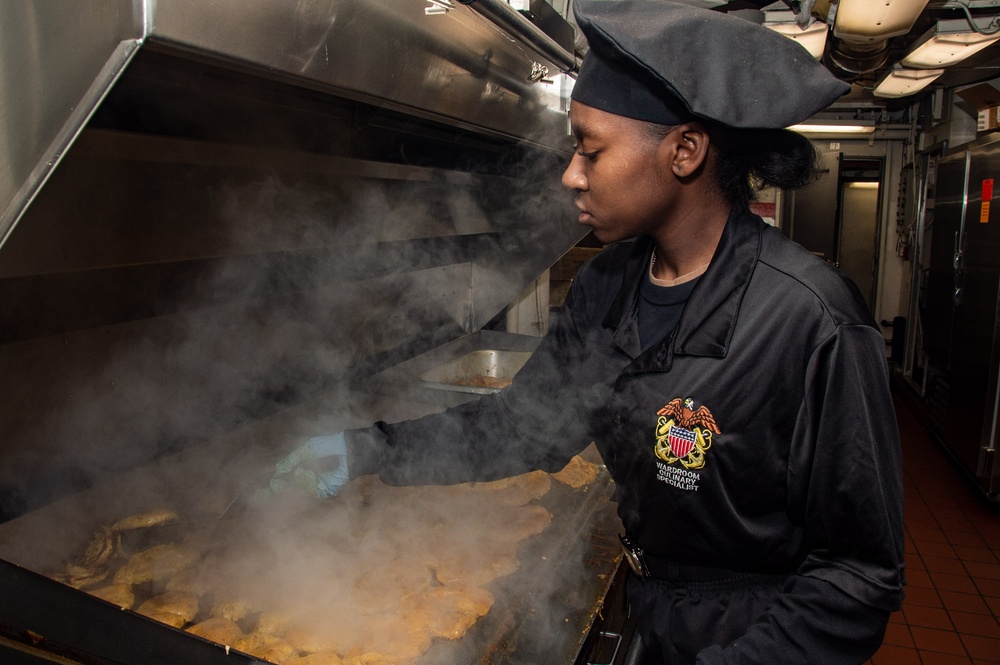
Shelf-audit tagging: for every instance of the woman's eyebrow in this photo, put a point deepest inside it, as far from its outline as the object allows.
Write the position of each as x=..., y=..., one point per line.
x=580, y=130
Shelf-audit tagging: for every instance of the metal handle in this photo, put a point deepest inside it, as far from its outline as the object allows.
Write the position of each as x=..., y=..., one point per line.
x=509, y=19
x=958, y=258
x=618, y=643
x=958, y=263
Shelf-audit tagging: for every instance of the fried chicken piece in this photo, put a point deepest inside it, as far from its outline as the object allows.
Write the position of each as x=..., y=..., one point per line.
x=527, y=521
x=272, y=623
x=398, y=638
x=119, y=594
x=370, y=658
x=577, y=473
x=475, y=567
x=80, y=577
x=473, y=600
x=516, y=490
x=155, y=564
x=448, y=611
x=315, y=639
x=88, y=569
x=145, y=520
x=380, y=587
x=100, y=548
x=169, y=618
x=189, y=580
x=349, y=636
x=266, y=647
x=234, y=610
x=174, y=608
x=217, y=629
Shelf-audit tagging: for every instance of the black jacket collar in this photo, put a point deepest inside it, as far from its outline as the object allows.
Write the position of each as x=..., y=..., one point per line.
x=709, y=317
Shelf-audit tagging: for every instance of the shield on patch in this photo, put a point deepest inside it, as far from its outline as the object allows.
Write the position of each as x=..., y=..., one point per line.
x=681, y=440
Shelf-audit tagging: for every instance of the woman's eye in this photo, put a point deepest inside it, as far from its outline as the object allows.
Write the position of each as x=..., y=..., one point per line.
x=587, y=155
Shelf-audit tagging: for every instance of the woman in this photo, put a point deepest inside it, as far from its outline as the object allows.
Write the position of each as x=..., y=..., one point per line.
x=734, y=384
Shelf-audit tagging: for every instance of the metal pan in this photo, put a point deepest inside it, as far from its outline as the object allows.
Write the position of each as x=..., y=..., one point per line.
x=482, y=372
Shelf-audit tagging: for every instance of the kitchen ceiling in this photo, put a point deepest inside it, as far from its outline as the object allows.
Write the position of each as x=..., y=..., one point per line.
x=855, y=64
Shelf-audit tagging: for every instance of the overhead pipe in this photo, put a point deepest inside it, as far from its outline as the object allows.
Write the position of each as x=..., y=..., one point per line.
x=509, y=19
x=854, y=58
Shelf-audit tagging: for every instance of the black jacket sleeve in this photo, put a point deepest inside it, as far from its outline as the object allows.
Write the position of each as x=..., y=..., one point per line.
x=538, y=422
x=849, y=487
x=811, y=622
x=845, y=487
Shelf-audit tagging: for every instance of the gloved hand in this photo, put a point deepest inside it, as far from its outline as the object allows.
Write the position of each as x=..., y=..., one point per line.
x=318, y=468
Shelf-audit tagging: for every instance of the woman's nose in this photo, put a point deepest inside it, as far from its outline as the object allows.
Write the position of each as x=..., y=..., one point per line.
x=573, y=177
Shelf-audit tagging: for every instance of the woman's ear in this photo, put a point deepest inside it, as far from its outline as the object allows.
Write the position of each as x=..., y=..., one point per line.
x=689, y=149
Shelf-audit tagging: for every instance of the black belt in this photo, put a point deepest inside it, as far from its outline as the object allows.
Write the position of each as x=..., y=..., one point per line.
x=648, y=566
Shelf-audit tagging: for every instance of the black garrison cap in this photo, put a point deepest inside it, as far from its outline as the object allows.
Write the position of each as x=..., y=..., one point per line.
x=667, y=63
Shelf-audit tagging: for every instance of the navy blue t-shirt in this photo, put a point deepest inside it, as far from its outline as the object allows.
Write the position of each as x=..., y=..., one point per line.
x=660, y=309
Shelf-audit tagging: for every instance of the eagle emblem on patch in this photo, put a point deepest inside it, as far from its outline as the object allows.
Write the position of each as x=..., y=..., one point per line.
x=684, y=433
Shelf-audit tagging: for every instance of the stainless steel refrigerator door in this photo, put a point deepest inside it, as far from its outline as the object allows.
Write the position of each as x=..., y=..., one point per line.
x=961, y=311
x=976, y=355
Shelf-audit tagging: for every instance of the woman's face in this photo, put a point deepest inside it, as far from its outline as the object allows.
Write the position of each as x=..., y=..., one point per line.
x=620, y=174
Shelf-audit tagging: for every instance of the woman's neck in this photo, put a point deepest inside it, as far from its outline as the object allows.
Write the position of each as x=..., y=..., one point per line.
x=688, y=246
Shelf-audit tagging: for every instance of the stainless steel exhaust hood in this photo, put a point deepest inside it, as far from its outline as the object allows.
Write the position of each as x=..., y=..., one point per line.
x=440, y=59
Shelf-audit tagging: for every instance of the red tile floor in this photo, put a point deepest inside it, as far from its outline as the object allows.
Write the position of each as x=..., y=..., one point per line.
x=950, y=614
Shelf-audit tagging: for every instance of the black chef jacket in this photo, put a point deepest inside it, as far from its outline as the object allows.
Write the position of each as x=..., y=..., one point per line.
x=759, y=435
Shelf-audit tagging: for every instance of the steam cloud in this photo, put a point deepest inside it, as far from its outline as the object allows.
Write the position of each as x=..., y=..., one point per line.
x=316, y=282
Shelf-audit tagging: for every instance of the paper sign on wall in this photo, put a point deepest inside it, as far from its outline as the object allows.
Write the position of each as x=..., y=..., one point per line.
x=984, y=209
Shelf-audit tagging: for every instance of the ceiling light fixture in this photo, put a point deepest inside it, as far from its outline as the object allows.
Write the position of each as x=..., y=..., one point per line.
x=813, y=38
x=875, y=20
x=820, y=126
x=945, y=44
x=900, y=82
x=781, y=19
